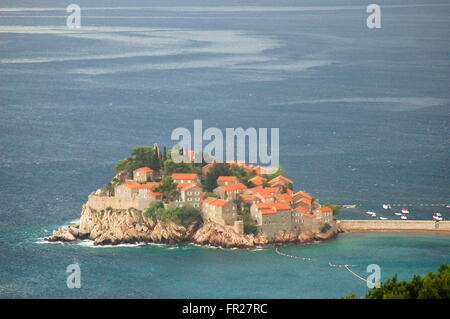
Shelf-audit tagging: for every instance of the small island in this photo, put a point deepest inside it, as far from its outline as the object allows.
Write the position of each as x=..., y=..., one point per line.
x=152, y=199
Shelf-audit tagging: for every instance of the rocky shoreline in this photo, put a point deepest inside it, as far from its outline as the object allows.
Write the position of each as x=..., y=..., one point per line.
x=114, y=227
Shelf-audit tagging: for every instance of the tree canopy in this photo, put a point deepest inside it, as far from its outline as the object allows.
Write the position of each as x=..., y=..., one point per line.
x=185, y=216
x=141, y=156
x=431, y=286
x=168, y=188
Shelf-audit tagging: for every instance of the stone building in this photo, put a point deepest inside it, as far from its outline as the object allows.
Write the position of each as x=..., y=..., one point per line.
x=131, y=189
x=230, y=192
x=325, y=214
x=190, y=195
x=227, y=180
x=272, y=218
x=281, y=182
x=143, y=174
x=222, y=212
x=184, y=178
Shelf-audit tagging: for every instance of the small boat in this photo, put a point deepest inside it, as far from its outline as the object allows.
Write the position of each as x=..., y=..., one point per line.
x=387, y=206
x=437, y=216
x=371, y=213
x=405, y=211
x=398, y=214
x=403, y=217
x=383, y=218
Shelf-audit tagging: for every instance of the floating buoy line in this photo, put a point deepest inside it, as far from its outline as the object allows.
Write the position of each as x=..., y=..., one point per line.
x=346, y=266
x=292, y=256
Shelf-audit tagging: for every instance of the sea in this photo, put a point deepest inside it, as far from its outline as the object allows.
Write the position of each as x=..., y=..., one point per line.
x=363, y=116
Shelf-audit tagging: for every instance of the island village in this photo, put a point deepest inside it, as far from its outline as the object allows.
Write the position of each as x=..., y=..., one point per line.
x=243, y=200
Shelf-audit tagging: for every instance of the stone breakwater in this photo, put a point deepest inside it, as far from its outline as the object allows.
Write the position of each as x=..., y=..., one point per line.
x=394, y=225
x=113, y=227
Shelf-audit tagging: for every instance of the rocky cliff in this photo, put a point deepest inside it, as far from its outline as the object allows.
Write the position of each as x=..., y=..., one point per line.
x=130, y=226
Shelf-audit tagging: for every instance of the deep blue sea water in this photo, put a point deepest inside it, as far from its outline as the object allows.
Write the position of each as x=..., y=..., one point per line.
x=363, y=117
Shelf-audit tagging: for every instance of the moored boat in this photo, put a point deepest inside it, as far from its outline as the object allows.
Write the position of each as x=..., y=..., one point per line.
x=371, y=213
x=403, y=217
x=405, y=211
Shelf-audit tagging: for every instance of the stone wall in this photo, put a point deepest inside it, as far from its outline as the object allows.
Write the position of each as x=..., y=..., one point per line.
x=274, y=223
x=102, y=202
x=412, y=225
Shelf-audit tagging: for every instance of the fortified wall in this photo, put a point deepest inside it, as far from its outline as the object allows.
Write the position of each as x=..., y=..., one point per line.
x=102, y=202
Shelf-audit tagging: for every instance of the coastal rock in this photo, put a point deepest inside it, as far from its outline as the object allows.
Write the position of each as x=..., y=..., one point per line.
x=305, y=237
x=220, y=236
x=114, y=226
x=327, y=235
x=66, y=233
x=108, y=227
x=168, y=233
x=261, y=239
x=285, y=237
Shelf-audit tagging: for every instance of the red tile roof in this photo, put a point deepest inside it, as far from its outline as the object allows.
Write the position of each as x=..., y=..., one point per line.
x=257, y=180
x=265, y=192
x=304, y=211
x=248, y=197
x=182, y=176
x=274, y=206
x=233, y=187
x=304, y=200
x=276, y=183
x=215, y=201
x=155, y=193
x=186, y=186
x=145, y=169
x=325, y=209
x=281, y=206
x=209, y=199
x=284, y=197
x=149, y=185
x=227, y=179
x=132, y=184
x=303, y=194
x=264, y=189
x=282, y=178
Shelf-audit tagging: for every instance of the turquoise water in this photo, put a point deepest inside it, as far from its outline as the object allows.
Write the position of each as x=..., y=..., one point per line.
x=187, y=271
x=363, y=117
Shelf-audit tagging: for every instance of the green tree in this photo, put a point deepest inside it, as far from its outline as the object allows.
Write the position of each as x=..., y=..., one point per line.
x=184, y=216
x=238, y=201
x=431, y=286
x=325, y=228
x=249, y=225
x=210, y=182
x=143, y=154
x=152, y=209
x=128, y=165
x=168, y=188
